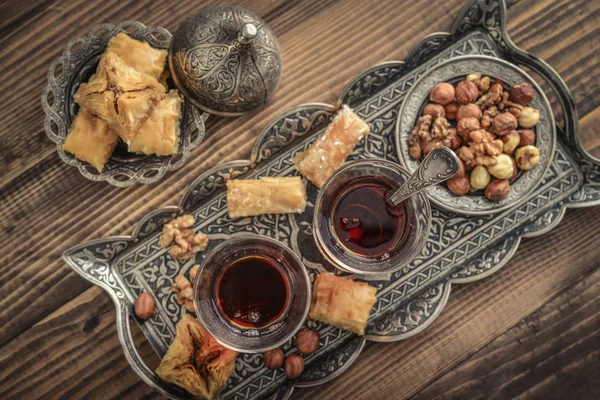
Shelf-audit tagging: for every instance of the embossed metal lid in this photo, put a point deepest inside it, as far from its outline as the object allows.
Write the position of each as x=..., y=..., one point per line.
x=225, y=60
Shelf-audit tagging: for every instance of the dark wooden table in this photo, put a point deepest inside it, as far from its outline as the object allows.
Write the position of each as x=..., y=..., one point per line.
x=537, y=337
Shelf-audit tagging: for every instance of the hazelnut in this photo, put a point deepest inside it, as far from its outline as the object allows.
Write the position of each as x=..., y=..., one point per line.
x=480, y=177
x=455, y=139
x=503, y=123
x=461, y=169
x=451, y=110
x=529, y=117
x=144, y=306
x=294, y=366
x=503, y=169
x=442, y=93
x=521, y=93
x=497, y=189
x=307, y=340
x=466, y=92
x=511, y=142
x=466, y=126
x=527, y=137
x=527, y=157
x=468, y=111
x=459, y=185
x=435, y=110
x=274, y=358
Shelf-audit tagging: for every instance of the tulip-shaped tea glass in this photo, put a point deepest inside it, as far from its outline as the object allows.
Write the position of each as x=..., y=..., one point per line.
x=357, y=230
x=252, y=293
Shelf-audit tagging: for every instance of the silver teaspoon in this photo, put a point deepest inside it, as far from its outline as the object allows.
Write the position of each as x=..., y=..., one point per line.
x=440, y=165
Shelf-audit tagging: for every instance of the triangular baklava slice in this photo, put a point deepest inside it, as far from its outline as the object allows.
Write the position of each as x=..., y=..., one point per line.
x=195, y=361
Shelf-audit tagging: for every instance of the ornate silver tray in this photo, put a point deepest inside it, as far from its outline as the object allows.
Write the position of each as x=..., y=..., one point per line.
x=460, y=248
x=417, y=97
x=77, y=63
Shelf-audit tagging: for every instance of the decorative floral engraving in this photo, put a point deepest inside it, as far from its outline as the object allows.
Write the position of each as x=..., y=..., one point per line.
x=216, y=69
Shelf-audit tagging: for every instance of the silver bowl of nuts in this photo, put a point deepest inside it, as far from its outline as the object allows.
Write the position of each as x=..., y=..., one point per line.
x=494, y=116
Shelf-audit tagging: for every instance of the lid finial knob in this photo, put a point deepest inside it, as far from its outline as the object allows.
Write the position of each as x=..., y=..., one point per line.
x=247, y=33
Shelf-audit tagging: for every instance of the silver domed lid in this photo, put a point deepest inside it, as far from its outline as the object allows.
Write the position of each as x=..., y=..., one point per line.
x=225, y=60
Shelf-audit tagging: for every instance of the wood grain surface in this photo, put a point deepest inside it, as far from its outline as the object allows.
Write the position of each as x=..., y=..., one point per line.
x=538, y=337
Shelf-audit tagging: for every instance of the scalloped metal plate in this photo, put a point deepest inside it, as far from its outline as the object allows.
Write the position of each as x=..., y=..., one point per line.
x=77, y=63
x=460, y=248
x=511, y=75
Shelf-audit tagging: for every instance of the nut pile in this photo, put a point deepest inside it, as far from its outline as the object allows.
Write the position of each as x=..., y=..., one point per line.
x=307, y=342
x=487, y=126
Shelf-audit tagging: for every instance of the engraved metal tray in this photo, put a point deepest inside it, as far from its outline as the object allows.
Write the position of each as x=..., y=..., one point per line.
x=460, y=248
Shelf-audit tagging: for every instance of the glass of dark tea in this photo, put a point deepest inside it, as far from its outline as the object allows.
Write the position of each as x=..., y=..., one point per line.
x=252, y=293
x=354, y=227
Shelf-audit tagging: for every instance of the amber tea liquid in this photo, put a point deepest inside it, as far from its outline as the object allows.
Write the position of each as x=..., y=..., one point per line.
x=363, y=222
x=253, y=291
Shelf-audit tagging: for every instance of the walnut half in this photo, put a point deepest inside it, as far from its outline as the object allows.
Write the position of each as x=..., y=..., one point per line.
x=180, y=234
x=185, y=293
x=429, y=134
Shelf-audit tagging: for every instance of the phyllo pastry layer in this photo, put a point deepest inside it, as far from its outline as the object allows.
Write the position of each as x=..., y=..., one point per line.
x=329, y=151
x=138, y=55
x=341, y=302
x=266, y=195
x=90, y=140
x=195, y=361
x=159, y=133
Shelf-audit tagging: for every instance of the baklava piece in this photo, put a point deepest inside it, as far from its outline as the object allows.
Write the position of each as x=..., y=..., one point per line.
x=342, y=302
x=196, y=362
x=90, y=140
x=120, y=95
x=265, y=196
x=159, y=133
x=329, y=151
x=138, y=55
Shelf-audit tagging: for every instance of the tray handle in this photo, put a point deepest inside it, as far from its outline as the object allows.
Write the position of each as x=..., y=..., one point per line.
x=589, y=193
x=133, y=357
x=93, y=260
x=490, y=16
